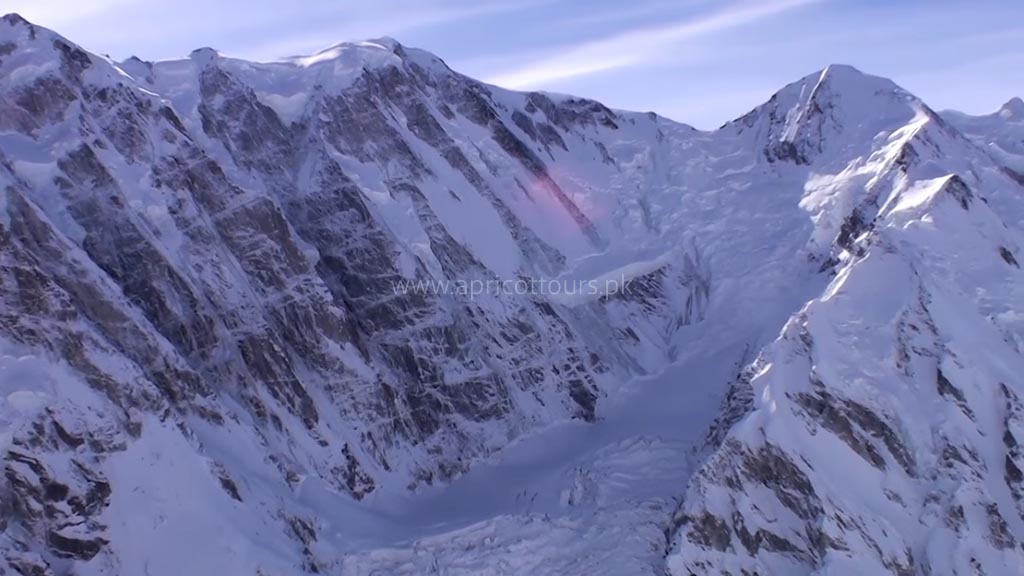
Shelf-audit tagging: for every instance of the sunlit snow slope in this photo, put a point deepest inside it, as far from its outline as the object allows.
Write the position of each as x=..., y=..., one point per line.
x=208, y=367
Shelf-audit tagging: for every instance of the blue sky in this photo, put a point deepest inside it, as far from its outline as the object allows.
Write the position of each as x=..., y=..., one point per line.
x=698, y=61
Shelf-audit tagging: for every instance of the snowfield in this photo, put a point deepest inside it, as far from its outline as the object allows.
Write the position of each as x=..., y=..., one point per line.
x=205, y=367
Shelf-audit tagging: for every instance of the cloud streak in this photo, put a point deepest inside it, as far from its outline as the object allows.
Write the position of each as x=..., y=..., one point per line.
x=638, y=45
x=261, y=29
x=384, y=19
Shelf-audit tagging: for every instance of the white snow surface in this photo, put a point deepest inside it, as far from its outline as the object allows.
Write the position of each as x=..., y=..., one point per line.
x=569, y=497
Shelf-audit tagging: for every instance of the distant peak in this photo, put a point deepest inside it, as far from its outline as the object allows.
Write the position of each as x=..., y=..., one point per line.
x=1014, y=108
x=19, y=29
x=385, y=41
x=841, y=70
x=204, y=55
x=373, y=52
x=138, y=68
x=842, y=81
x=844, y=76
x=15, y=19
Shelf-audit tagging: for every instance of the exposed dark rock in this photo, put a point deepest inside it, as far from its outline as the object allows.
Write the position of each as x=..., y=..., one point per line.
x=947, y=389
x=72, y=547
x=958, y=189
x=710, y=531
x=998, y=532
x=853, y=226
x=229, y=486
x=773, y=468
x=856, y=425
x=358, y=482
x=785, y=151
x=1008, y=256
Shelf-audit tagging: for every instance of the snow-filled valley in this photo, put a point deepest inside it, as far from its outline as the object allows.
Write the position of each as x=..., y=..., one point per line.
x=211, y=363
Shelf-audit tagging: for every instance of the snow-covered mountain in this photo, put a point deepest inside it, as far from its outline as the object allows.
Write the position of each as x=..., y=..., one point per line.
x=232, y=339
x=879, y=433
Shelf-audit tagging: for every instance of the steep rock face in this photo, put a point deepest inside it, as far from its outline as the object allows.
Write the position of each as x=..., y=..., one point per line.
x=214, y=268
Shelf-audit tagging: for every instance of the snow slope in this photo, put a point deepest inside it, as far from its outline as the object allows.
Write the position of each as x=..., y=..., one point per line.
x=1001, y=133
x=208, y=368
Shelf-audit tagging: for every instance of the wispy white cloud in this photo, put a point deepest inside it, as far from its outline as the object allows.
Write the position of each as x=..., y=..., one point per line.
x=257, y=29
x=621, y=14
x=638, y=45
x=383, y=18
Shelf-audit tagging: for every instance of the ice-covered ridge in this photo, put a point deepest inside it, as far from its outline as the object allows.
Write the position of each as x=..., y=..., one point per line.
x=367, y=51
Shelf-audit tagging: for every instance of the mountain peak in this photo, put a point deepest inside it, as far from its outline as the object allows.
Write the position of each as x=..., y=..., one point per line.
x=1013, y=108
x=370, y=53
x=20, y=26
x=836, y=106
x=15, y=19
x=383, y=50
x=845, y=78
x=842, y=70
x=385, y=41
x=204, y=55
